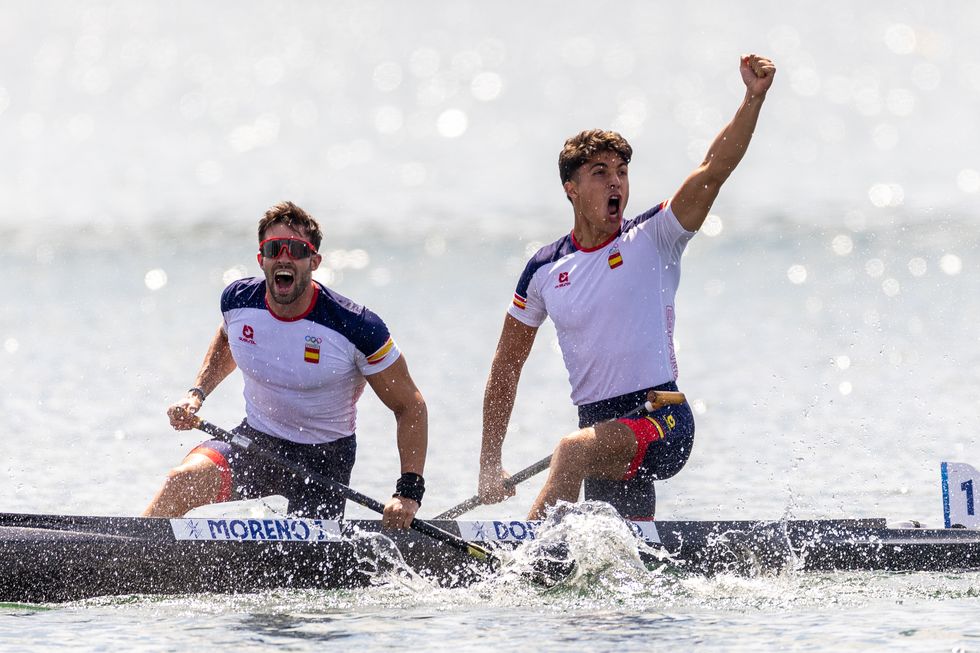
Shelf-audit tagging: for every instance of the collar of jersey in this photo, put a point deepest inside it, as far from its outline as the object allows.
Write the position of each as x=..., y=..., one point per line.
x=597, y=247
x=309, y=309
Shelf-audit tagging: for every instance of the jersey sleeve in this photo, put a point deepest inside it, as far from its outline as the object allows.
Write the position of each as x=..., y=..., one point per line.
x=226, y=297
x=374, y=348
x=527, y=306
x=661, y=226
x=241, y=293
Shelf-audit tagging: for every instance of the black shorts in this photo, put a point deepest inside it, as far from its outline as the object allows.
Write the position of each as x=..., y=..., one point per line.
x=663, y=458
x=248, y=476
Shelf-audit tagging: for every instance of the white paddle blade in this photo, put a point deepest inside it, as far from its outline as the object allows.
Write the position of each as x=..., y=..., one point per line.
x=961, y=493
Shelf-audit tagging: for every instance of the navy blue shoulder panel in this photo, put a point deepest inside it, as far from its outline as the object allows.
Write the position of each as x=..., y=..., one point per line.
x=358, y=324
x=244, y=293
x=643, y=217
x=547, y=254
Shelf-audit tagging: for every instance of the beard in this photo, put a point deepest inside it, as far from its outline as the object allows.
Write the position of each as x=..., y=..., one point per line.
x=284, y=290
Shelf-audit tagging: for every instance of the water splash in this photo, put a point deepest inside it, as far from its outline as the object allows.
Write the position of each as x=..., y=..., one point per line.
x=586, y=550
x=376, y=556
x=379, y=559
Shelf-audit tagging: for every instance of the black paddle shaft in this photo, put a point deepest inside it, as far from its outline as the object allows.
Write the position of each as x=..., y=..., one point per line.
x=518, y=477
x=244, y=443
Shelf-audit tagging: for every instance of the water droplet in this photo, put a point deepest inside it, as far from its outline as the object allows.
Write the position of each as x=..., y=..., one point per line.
x=951, y=264
x=842, y=245
x=900, y=38
x=486, y=86
x=891, y=287
x=452, y=123
x=874, y=267
x=968, y=180
x=917, y=266
x=712, y=226
x=155, y=279
x=797, y=274
x=886, y=195
x=233, y=274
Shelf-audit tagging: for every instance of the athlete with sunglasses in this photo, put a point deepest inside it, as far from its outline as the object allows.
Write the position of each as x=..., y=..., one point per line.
x=305, y=353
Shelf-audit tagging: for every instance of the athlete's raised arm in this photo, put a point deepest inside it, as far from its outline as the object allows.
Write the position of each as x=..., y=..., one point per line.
x=694, y=198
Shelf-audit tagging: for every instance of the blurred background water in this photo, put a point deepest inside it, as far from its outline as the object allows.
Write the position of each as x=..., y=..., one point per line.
x=827, y=312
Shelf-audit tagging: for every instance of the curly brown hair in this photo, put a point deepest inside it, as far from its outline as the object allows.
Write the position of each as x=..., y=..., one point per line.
x=583, y=146
x=293, y=217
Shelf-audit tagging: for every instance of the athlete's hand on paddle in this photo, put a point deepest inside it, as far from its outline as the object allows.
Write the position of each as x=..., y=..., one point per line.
x=492, y=487
x=757, y=73
x=182, y=414
x=399, y=512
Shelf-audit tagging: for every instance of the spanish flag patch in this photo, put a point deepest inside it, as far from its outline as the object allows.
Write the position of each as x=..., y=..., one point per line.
x=311, y=355
x=379, y=355
x=615, y=258
x=520, y=302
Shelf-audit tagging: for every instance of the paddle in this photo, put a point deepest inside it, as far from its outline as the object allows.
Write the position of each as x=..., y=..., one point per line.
x=511, y=482
x=655, y=401
x=242, y=442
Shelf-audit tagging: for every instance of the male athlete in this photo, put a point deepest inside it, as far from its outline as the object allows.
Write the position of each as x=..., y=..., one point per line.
x=305, y=353
x=609, y=287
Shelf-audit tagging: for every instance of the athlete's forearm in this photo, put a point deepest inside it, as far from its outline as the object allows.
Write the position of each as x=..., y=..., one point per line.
x=513, y=348
x=498, y=404
x=218, y=363
x=694, y=198
x=412, y=432
x=731, y=143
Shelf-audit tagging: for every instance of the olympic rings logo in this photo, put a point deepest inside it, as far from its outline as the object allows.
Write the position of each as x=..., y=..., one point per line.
x=315, y=340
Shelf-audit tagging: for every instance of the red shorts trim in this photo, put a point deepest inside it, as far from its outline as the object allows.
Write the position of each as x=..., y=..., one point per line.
x=224, y=494
x=647, y=430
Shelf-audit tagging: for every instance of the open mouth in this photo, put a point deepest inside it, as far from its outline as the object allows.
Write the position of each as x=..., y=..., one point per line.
x=613, y=207
x=284, y=280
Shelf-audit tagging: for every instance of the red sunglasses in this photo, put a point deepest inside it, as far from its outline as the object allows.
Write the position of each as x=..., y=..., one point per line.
x=295, y=248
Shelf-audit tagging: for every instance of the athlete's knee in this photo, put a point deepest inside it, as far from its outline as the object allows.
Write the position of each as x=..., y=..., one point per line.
x=193, y=477
x=576, y=447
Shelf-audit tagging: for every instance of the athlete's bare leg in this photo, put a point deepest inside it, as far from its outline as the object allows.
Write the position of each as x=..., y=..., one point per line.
x=195, y=482
x=601, y=451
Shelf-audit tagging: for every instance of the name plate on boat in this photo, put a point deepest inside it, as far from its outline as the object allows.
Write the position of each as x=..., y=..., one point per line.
x=256, y=530
x=521, y=531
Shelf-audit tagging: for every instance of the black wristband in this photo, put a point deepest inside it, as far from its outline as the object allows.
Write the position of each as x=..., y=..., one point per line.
x=199, y=391
x=410, y=486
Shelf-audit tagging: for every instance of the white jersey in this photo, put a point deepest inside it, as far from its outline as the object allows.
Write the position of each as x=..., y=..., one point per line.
x=612, y=305
x=303, y=376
